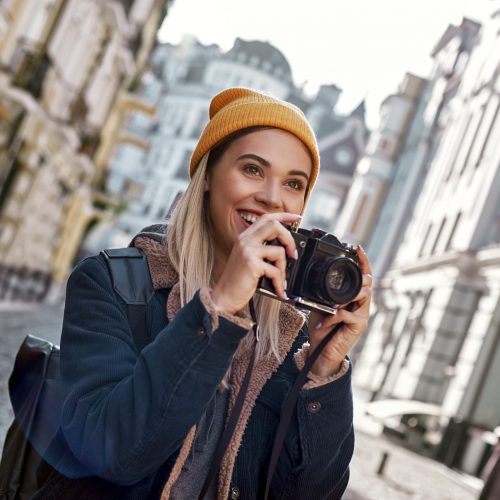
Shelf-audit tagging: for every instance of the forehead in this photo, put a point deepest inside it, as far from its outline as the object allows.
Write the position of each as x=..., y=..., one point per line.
x=274, y=145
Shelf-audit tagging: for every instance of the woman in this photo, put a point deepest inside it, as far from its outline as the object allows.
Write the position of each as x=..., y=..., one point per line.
x=146, y=424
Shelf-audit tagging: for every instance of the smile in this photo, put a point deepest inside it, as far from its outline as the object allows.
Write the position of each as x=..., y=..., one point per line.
x=248, y=217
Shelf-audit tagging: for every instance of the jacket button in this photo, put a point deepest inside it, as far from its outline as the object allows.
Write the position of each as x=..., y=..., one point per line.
x=201, y=332
x=235, y=493
x=314, y=407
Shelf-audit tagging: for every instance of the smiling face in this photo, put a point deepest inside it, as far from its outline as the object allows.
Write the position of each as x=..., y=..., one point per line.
x=264, y=171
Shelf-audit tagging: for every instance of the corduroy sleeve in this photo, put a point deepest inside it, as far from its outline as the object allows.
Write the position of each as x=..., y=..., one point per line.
x=125, y=412
x=320, y=444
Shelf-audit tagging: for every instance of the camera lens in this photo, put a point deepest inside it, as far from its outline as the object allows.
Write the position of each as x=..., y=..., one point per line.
x=336, y=280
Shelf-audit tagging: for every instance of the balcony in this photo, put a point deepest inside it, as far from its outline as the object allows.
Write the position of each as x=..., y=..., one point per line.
x=28, y=68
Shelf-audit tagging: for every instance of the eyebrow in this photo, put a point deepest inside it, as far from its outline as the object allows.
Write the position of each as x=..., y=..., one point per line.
x=265, y=163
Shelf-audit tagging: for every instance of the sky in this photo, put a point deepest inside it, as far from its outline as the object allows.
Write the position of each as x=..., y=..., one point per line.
x=363, y=46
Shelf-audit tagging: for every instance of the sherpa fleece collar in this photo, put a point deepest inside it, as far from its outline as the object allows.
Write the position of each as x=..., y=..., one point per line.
x=164, y=275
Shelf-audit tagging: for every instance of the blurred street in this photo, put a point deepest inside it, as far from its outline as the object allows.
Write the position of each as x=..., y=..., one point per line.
x=406, y=475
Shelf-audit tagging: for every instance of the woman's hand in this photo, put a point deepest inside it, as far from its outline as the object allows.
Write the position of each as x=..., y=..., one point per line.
x=251, y=258
x=354, y=325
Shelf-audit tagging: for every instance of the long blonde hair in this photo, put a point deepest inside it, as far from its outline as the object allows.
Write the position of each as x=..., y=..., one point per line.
x=190, y=247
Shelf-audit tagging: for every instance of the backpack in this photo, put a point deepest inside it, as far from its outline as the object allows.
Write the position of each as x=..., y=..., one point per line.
x=35, y=387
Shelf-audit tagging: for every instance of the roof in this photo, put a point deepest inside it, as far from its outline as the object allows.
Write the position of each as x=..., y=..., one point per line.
x=468, y=28
x=330, y=161
x=328, y=125
x=259, y=53
x=359, y=110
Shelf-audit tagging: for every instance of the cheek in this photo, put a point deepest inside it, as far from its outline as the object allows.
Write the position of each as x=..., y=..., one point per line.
x=295, y=204
x=220, y=203
x=236, y=189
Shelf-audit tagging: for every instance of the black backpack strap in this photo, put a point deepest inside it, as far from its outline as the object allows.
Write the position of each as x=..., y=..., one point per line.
x=131, y=279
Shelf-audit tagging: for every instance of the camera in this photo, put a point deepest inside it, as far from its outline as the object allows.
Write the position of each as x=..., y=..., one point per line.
x=325, y=275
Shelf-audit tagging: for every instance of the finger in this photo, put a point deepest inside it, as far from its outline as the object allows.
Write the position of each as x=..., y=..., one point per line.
x=354, y=320
x=286, y=217
x=367, y=280
x=364, y=263
x=274, y=274
x=269, y=228
x=357, y=322
x=361, y=301
x=364, y=294
x=275, y=255
x=283, y=217
x=316, y=317
x=361, y=304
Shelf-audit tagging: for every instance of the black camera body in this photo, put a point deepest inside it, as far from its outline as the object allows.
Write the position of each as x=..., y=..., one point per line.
x=325, y=275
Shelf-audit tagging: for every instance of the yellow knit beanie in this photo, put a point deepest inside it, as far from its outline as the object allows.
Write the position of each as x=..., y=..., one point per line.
x=237, y=108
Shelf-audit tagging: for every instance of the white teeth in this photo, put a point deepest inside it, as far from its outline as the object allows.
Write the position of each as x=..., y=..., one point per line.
x=248, y=217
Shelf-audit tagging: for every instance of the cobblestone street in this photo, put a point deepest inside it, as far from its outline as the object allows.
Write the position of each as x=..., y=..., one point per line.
x=406, y=475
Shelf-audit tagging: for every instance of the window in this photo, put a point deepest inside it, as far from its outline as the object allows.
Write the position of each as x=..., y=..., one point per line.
x=453, y=230
x=438, y=236
x=325, y=208
x=460, y=143
x=478, y=123
x=425, y=240
x=344, y=156
x=495, y=121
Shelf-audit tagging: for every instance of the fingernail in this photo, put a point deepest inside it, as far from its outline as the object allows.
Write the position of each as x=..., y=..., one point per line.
x=361, y=248
x=296, y=254
x=319, y=325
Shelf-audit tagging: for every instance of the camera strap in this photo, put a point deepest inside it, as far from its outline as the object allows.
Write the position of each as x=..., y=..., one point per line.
x=289, y=408
x=286, y=414
x=235, y=414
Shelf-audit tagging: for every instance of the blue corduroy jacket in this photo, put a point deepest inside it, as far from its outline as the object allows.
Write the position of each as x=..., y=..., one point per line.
x=126, y=413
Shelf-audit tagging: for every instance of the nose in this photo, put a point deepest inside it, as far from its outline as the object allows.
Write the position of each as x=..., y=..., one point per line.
x=270, y=195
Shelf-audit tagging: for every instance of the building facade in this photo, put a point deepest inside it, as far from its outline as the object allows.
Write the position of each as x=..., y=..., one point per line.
x=418, y=150
x=67, y=67
x=182, y=80
x=376, y=170
x=435, y=337
x=340, y=150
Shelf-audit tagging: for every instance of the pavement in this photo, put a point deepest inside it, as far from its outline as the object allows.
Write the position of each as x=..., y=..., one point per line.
x=406, y=475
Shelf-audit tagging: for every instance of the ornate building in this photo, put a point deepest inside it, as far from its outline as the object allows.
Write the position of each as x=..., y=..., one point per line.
x=181, y=82
x=424, y=134
x=66, y=70
x=435, y=337
x=376, y=169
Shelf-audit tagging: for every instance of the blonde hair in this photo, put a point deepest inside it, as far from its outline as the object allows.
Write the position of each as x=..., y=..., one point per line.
x=190, y=248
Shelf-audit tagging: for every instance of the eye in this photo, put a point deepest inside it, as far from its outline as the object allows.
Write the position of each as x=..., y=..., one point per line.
x=252, y=170
x=296, y=184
